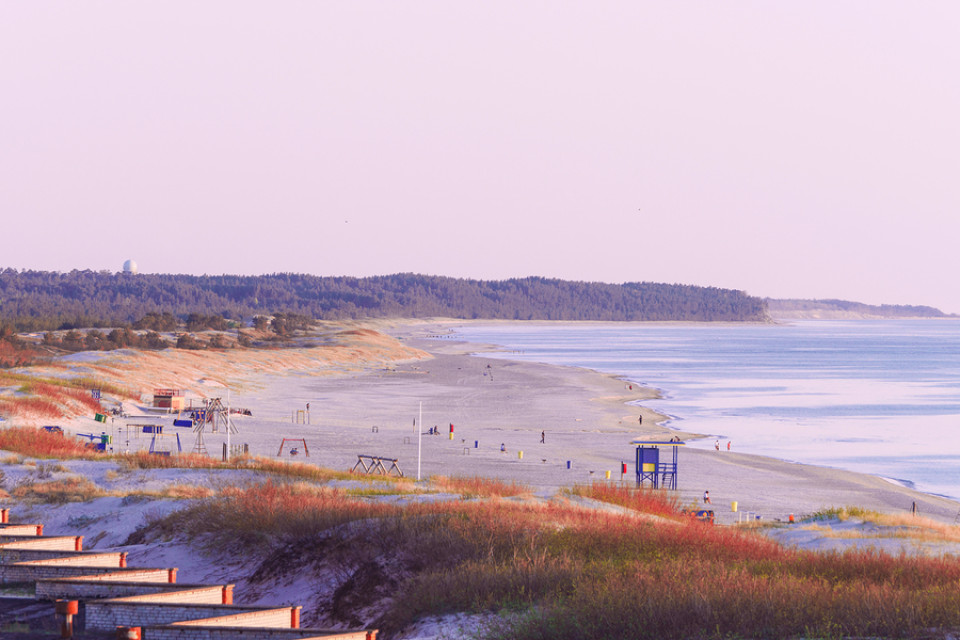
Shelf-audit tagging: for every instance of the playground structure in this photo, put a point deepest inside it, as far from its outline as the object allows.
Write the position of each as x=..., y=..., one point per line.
x=294, y=451
x=162, y=445
x=217, y=416
x=98, y=442
x=374, y=464
x=651, y=469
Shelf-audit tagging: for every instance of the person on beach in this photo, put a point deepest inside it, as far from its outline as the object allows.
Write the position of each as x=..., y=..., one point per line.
x=706, y=498
x=503, y=447
x=640, y=419
x=728, y=445
x=716, y=445
x=543, y=437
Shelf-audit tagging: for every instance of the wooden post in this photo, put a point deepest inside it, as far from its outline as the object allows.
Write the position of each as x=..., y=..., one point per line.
x=294, y=617
x=67, y=609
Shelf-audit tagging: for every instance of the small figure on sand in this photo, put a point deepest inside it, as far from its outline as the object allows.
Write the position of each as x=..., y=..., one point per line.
x=543, y=437
x=716, y=445
x=503, y=447
x=706, y=498
x=728, y=445
x=640, y=419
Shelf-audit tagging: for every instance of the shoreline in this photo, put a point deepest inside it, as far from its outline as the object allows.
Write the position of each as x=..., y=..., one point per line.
x=368, y=382
x=766, y=486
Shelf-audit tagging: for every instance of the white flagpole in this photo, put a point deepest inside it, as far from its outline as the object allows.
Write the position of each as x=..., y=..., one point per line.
x=419, y=439
x=228, y=423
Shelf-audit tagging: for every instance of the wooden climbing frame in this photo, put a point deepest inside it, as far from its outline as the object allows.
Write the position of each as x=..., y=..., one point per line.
x=374, y=464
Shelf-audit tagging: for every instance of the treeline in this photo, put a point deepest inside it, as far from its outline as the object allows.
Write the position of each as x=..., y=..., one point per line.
x=44, y=300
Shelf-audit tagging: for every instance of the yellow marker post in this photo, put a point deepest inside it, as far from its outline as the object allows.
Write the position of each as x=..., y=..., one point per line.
x=733, y=506
x=520, y=454
x=608, y=475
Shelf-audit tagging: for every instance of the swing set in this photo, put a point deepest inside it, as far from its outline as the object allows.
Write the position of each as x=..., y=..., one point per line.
x=295, y=450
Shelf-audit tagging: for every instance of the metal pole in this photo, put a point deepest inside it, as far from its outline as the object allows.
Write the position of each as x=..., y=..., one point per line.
x=228, y=424
x=419, y=439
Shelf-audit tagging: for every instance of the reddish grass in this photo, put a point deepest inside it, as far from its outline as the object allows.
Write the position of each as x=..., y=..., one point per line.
x=38, y=443
x=477, y=486
x=30, y=405
x=298, y=470
x=643, y=499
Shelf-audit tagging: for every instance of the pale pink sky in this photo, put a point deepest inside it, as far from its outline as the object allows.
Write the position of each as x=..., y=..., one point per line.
x=788, y=149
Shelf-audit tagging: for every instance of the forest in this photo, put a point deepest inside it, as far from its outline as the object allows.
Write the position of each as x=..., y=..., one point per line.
x=47, y=300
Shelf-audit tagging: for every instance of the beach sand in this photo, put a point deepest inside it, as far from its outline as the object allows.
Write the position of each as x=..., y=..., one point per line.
x=366, y=390
x=587, y=418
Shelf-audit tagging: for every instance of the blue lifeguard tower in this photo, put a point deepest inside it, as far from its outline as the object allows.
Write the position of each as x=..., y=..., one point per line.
x=650, y=468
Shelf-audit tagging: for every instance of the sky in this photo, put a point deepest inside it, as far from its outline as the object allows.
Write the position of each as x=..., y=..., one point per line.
x=788, y=149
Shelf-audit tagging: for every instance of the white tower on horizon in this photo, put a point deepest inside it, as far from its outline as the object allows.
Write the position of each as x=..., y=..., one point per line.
x=130, y=267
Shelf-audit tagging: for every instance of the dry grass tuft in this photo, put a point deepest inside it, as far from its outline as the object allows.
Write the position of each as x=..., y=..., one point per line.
x=74, y=489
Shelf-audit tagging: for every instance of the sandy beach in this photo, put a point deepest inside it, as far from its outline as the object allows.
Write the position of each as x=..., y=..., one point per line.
x=588, y=418
x=366, y=389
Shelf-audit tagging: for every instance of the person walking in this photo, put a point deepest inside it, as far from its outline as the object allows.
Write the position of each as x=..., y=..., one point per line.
x=543, y=437
x=706, y=498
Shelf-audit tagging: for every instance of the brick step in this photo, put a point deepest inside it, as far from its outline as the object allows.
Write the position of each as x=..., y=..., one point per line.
x=87, y=589
x=61, y=543
x=109, y=614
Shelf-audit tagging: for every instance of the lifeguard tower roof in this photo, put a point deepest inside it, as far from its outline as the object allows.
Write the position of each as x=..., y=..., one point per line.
x=657, y=443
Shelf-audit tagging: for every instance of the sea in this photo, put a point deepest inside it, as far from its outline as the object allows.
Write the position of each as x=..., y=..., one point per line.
x=874, y=396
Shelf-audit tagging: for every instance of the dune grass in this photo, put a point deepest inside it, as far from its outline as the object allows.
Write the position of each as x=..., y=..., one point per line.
x=576, y=573
x=658, y=502
x=52, y=397
x=81, y=489
x=898, y=525
x=476, y=487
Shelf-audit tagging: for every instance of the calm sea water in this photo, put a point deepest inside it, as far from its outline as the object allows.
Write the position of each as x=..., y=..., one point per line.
x=880, y=397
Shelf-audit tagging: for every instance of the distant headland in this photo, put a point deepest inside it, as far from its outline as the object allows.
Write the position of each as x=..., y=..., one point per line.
x=792, y=309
